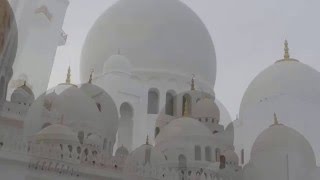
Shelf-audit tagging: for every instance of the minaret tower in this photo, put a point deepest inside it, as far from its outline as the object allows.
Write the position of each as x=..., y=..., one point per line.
x=40, y=24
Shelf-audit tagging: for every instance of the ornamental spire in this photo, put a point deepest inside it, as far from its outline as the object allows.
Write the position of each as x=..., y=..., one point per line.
x=192, y=82
x=68, y=79
x=91, y=75
x=286, y=50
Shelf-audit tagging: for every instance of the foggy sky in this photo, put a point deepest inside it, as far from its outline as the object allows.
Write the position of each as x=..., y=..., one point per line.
x=248, y=36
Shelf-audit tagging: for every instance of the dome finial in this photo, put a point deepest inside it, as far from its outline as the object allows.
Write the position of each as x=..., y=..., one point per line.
x=68, y=79
x=192, y=82
x=286, y=50
x=275, y=118
x=147, y=140
x=119, y=51
x=91, y=75
x=25, y=83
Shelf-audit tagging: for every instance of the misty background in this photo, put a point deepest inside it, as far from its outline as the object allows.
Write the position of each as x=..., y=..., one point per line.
x=248, y=36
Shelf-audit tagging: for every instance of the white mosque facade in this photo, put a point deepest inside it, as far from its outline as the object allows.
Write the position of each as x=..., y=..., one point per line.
x=148, y=110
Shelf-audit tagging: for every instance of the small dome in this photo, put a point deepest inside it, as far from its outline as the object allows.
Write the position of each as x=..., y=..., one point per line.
x=122, y=152
x=231, y=156
x=22, y=94
x=143, y=162
x=206, y=107
x=69, y=102
x=94, y=140
x=57, y=133
x=279, y=137
x=117, y=63
x=105, y=105
x=183, y=127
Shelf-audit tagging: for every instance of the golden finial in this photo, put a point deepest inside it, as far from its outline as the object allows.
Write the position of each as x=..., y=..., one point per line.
x=192, y=83
x=186, y=108
x=275, y=118
x=90, y=78
x=68, y=80
x=147, y=140
x=286, y=50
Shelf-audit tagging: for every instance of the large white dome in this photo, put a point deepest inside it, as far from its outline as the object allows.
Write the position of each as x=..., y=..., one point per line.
x=285, y=77
x=279, y=137
x=183, y=127
x=155, y=35
x=289, y=88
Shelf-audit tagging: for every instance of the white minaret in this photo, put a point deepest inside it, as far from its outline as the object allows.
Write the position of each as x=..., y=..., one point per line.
x=40, y=33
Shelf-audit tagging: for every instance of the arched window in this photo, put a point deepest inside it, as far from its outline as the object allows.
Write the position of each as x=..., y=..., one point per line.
x=222, y=162
x=81, y=136
x=218, y=155
x=125, y=130
x=208, y=153
x=170, y=103
x=182, y=161
x=197, y=153
x=153, y=101
x=186, y=104
x=156, y=132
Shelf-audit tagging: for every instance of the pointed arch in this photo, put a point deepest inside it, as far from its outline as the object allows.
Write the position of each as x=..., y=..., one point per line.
x=125, y=130
x=153, y=101
x=186, y=103
x=170, y=103
x=197, y=153
x=218, y=152
x=182, y=161
x=208, y=153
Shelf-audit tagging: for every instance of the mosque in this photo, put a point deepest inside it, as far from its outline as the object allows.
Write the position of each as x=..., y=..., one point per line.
x=146, y=107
